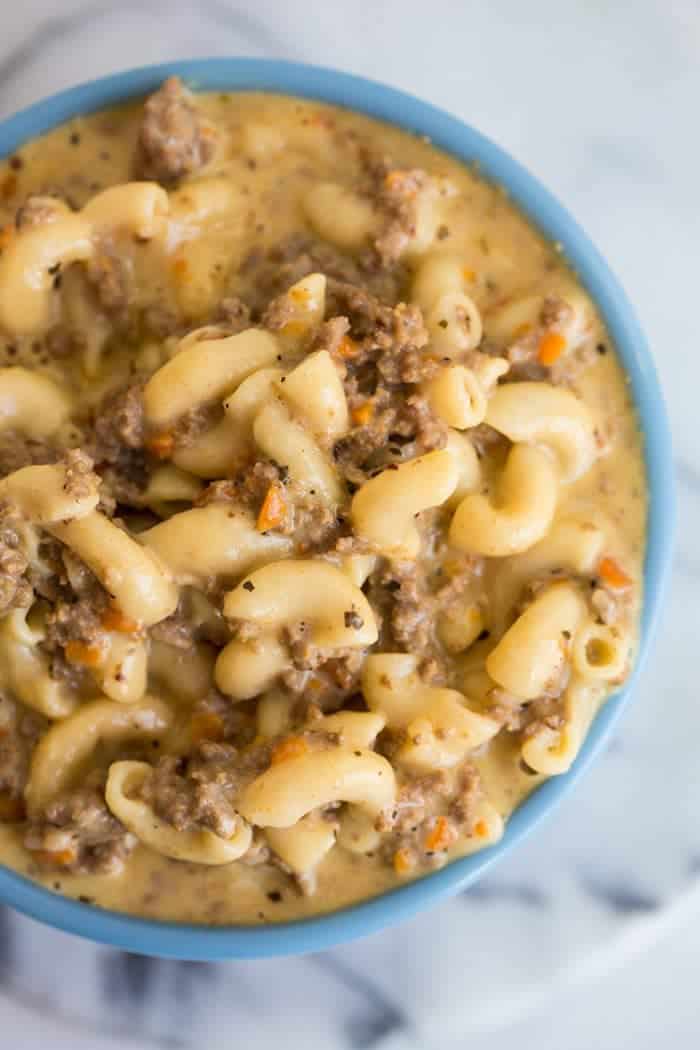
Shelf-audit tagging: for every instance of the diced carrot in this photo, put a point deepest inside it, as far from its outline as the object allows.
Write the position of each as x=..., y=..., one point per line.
x=481, y=829
x=347, y=347
x=404, y=861
x=274, y=509
x=290, y=747
x=83, y=654
x=612, y=573
x=440, y=836
x=161, y=445
x=207, y=725
x=59, y=858
x=115, y=620
x=11, y=809
x=468, y=274
x=362, y=414
x=552, y=346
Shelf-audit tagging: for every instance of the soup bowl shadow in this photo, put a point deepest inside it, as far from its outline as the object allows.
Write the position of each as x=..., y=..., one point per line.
x=184, y=941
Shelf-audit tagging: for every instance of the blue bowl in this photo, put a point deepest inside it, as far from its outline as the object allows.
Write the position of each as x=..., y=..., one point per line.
x=181, y=941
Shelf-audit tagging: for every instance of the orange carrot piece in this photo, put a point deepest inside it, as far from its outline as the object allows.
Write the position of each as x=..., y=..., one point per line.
x=274, y=509
x=552, y=346
x=347, y=347
x=612, y=574
x=83, y=654
x=468, y=274
x=481, y=829
x=59, y=858
x=290, y=747
x=161, y=445
x=362, y=414
x=404, y=861
x=115, y=620
x=440, y=836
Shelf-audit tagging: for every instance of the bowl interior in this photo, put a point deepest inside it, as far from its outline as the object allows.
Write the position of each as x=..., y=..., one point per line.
x=183, y=941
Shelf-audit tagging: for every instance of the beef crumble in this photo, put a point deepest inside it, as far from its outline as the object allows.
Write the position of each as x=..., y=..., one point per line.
x=77, y=833
x=174, y=139
x=19, y=732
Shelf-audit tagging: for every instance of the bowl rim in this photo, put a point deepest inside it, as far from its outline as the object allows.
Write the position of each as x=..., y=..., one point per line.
x=192, y=942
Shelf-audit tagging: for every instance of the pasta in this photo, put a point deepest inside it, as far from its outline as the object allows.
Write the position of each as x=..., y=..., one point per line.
x=212, y=541
x=520, y=516
x=288, y=791
x=384, y=509
x=132, y=576
x=31, y=403
x=69, y=743
x=322, y=509
x=532, y=653
x=335, y=613
x=547, y=416
x=204, y=370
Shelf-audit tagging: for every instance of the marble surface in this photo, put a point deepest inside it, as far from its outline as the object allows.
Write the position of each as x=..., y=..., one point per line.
x=591, y=915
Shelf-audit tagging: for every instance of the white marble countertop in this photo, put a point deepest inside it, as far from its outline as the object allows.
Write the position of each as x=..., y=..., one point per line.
x=575, y=932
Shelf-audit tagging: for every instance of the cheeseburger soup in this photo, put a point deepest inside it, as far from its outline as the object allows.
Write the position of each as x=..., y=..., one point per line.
x=322, y=509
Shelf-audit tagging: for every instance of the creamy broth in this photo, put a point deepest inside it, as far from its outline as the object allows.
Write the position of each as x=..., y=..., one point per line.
x=121, y=312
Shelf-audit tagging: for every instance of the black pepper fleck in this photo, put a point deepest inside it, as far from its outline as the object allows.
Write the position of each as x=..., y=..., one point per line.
x=248, y=585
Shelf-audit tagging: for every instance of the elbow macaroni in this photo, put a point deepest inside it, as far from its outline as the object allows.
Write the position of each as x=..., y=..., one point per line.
x=384, y=509
x=521, y=514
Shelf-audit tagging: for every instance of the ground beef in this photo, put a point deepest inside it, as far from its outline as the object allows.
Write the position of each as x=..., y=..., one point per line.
x=119, y=423
x=197, y=798
x=199, y=791
x=75, y=621
x=15, y=590
x=233, y=314
x=464, y=806
x=409, y=600
x=400, y=428
x=77, y=833
x=413, y=802
x=314, y=525
x=19, y=732
x=116, y=443
x=108, y=275
x=18, y=450
x=330, y=335
x=400, y=198
x=267, y=274
x=174, y=140
x=523, y=353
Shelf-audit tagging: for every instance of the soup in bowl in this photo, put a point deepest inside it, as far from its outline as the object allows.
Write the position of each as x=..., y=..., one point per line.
x=325, y=507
